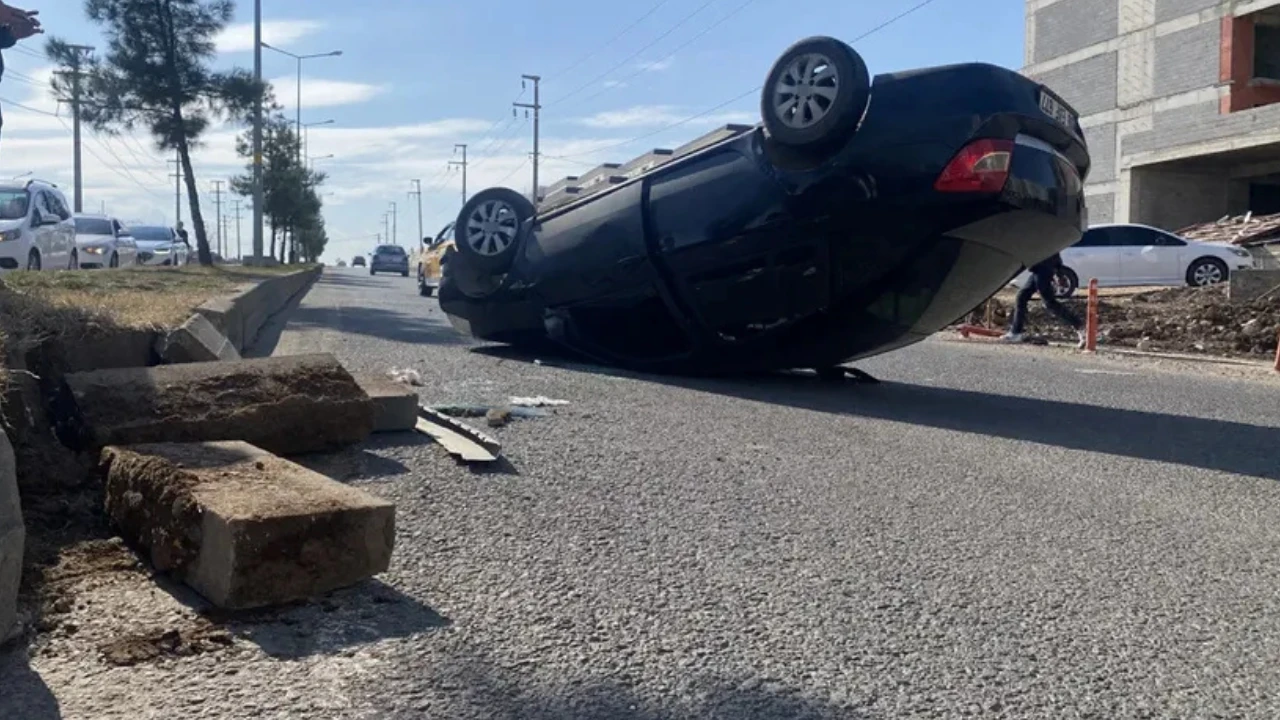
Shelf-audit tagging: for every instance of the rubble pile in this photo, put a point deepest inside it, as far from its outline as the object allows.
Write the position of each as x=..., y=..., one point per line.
x=1247, y=229
x=1182, y=320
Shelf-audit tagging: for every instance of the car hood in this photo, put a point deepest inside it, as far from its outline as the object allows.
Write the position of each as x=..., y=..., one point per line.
x=152, y=245
x=93, y=239
x=12, y=224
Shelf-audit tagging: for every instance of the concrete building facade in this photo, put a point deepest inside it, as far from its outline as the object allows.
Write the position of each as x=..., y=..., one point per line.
x=1179, y=99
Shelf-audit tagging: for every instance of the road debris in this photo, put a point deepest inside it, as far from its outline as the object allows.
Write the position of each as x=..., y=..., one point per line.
x=459, y=439
x=408, y=376
x=497, y=417
x=539, y=401
x=479, y=411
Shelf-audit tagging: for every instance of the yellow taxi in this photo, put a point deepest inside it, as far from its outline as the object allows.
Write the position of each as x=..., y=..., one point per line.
x=427, y=258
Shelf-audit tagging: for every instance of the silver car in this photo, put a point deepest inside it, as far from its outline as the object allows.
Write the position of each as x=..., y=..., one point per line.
x=160, y=245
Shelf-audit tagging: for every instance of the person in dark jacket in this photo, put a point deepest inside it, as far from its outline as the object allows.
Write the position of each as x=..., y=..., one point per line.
x=15, y=25
x=1041, y=280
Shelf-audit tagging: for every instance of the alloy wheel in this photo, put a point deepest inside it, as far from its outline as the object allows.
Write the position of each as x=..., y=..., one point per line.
x=492, y=227
x=806, y=91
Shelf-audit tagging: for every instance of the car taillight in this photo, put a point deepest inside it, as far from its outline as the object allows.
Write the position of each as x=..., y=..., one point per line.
x=981, y=166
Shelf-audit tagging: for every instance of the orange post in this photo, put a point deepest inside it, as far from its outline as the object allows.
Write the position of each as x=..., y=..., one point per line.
x=1091, y=318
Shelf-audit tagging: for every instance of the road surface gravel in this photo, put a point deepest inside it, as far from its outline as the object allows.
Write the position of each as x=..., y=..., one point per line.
x=993, y=532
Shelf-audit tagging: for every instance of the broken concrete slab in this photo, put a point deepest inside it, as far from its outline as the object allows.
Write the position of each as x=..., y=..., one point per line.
x=12, y=540
x=196, y=340
x=243, y=527
x=253, y=318
x=1249, y=285
x=459, y=439
x=395, y=405
x=287, y=405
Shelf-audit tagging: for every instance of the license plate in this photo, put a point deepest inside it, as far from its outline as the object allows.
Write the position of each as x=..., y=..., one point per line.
x=1056, y=110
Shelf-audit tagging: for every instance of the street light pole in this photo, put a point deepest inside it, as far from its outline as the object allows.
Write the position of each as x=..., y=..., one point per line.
x=417, y=192
x=257, y=131
x=394, y=214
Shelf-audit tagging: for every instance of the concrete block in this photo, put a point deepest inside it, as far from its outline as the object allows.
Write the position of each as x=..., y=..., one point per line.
x=286, y=405
x=243, y=527
x=395, y=405
x=12, y=539
x=196, y=340
x=1248, y=285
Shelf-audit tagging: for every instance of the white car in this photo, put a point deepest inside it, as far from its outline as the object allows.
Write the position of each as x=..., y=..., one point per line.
x=36, y=228
x=160, y=245
x=1127, y=255
x=103, y=242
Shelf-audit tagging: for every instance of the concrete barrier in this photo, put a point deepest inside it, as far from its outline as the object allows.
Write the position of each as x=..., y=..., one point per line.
x=253, y=319
x=243, y=527
x=1248, y=285
x=395, y=405
x=12, y=539
x=292, y=404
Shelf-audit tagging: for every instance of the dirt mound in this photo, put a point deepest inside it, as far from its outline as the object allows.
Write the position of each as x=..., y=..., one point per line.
x=1185, y=320
x=144, y=647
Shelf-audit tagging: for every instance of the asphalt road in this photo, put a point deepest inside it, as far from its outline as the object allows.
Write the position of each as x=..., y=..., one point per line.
x=992, y=532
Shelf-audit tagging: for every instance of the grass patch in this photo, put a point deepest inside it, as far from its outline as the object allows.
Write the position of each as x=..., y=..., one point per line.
x=142, y=297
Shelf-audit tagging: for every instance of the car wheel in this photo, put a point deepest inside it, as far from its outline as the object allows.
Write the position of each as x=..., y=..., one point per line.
x=1065, y=283
x=816, y=94
x=492, y=224
x=115, y=261
x=1207, y=271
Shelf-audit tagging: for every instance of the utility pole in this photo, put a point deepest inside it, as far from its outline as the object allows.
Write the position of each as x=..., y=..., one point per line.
x=78, y=56
x=394, y=214
x=462, y=164
x=177, y=188
x=217, y=200
x=417, y=192
x=536, y=107
x=257, y=131
x=386, y=224
x=236, y=204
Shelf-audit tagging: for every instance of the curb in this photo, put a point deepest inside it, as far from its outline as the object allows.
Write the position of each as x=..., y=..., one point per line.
x=1204, y=359
x=253, y=319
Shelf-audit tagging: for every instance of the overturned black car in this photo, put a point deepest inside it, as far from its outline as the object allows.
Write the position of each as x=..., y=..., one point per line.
x=859, y=218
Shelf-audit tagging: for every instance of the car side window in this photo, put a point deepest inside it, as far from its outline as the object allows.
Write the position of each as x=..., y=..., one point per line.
x=1096, y=237
x=58, y=206
x=1131, y=237
x=1167, y=240
x=42, y=203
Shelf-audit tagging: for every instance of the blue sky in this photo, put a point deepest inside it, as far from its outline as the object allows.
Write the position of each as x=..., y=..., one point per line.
x=416, y=77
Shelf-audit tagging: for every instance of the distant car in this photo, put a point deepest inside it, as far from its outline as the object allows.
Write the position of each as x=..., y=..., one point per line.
x=37, y=231
x=429, y=260
x=1131, y=254
x=342, y=263
x=357, y=261
x=389, y=258
x=860, y=217
x=103, y=242
x=160, y=245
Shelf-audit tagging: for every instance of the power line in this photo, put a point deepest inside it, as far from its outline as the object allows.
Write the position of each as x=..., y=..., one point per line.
x=918, y=6
x=672, y=54
x=612, y=40
x=634, y=55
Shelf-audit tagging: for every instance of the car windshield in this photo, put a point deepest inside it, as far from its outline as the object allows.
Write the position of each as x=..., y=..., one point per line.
x=93, y=226
x=389, y=250
x=151, y=232
x=14, y=204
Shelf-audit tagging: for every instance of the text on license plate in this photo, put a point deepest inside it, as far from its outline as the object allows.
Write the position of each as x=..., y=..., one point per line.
x=1056, y=110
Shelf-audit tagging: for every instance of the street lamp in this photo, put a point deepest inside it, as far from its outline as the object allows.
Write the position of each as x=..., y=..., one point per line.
x=304, y=132
x=300, y=58
x=311, y=161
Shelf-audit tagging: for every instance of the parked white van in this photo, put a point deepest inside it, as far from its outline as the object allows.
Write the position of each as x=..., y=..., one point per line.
x=37, y=231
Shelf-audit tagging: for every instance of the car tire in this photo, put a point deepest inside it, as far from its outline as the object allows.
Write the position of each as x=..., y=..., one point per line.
x=826, y=110
x=1207, y=271
x=493, y=248
x=1063, y=292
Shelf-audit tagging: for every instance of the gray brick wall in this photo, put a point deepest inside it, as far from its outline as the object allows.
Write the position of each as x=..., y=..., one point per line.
x=1074, y=24
x=1102, y=151
x=1102, y=208
x=1200, y=123
x=1089, y=85
x=1187, y=60
x=1170, y=9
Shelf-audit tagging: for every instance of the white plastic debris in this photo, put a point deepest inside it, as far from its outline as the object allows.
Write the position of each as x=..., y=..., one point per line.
x=538, y=401
x=408, y=376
